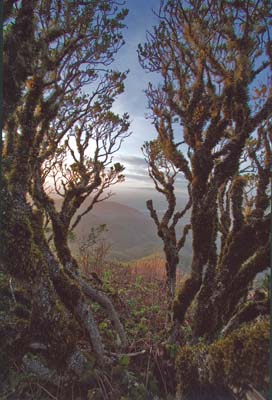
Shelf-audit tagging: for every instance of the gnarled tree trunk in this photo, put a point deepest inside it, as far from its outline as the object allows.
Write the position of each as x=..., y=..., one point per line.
x=49, y=335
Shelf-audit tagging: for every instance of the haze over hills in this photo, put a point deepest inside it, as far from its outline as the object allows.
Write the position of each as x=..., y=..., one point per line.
x=130, y=233
x=136, y=197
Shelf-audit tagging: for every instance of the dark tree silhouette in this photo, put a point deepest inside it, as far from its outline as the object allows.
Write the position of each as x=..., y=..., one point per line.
x=211, y=57
x=164, y=175
x=55, y=128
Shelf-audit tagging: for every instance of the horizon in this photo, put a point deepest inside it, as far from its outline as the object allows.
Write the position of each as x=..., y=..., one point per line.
x=136, y=198
x=137, y=186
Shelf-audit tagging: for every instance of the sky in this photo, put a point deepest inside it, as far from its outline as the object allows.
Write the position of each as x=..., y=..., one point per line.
x=138, y=187
x=139, y=20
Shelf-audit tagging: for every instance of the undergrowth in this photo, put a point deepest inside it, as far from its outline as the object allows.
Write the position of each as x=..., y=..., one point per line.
x=138, y=291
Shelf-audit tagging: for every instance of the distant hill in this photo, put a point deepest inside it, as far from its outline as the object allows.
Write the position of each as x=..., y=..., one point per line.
x=131, y=233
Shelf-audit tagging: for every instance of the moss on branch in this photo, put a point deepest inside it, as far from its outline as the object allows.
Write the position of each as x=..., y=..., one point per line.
x=237, y=360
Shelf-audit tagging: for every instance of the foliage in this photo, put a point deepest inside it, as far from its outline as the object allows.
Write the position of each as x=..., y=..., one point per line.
x=213, y=123
x=205, y=105
x=138, y=290
x=93, y=249
x=63, y=336
x=55, y=128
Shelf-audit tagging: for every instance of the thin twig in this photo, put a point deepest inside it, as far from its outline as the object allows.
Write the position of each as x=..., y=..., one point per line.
x=46, y=391
x=126, y=354
x=161, y=374
x=147, y=368
x=12, y=290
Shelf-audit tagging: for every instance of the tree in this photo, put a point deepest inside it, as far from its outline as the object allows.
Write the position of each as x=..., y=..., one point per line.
x=164, y=174
x=58, y=95
x=211, y=56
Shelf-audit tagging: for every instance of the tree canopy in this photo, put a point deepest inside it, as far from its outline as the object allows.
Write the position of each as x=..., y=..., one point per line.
x=212, y=114
x=59, y=125
x=213, y=120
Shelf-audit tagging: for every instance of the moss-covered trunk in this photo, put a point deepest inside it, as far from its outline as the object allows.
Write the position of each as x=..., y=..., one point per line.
x=230, y=363
x=34, y=320
x=172, y=260
x=44, y=313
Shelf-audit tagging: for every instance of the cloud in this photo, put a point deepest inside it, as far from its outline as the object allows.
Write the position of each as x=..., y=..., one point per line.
x=137, y=195
x=134, y=165
x=133, y=100
x=139, y=177
x=133, y=161
x=136, y=174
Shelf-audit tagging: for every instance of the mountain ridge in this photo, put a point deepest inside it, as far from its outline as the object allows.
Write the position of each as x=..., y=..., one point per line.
x=131, y=234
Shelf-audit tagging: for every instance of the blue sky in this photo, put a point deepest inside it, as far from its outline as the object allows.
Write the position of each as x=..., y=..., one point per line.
x=133, y=101
x=138, y=187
